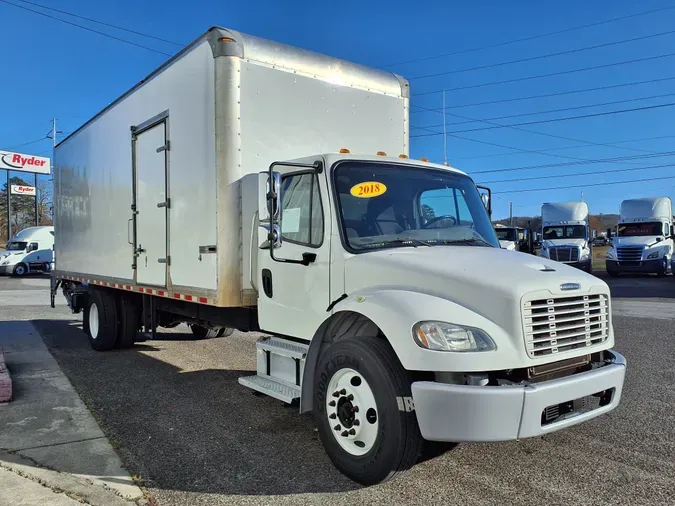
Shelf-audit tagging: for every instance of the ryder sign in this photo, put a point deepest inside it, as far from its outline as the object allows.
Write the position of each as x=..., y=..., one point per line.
x=24, y=163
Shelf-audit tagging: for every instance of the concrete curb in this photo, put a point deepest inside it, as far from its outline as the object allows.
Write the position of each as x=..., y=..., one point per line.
x=5, y=380
x=83, y=490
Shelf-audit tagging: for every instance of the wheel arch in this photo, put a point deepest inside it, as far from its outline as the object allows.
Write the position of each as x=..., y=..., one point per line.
x=335, y=327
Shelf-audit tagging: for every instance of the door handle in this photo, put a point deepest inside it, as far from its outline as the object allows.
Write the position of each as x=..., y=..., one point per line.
x=130, y=241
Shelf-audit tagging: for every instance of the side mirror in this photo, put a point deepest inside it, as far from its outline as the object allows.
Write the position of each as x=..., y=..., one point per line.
x=274, y=195
x=486, y=198
x=273, y=237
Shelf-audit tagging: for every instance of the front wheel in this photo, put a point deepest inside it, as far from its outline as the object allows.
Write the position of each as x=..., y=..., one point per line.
x=364, y=412
x=20, y=270
x=663, y=270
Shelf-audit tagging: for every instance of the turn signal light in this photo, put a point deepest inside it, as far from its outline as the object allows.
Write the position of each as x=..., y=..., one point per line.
x=225, y=39
x=424, y=159
x=344, y=150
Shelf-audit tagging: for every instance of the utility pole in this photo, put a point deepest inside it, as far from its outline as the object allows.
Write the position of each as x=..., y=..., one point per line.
x=51, y=135
x=510, y=214
x=582, y=195
x=9, y=208
x=445, y=136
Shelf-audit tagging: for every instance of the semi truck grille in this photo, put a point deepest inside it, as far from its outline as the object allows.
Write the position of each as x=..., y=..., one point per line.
x=564, y=324
x=629, y=253
x=564, y=254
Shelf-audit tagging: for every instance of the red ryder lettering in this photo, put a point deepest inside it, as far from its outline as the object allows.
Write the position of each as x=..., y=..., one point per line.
x=18, y=159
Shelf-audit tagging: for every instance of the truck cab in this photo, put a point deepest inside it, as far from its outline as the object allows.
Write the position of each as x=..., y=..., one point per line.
x=514, y=238
x=30, y=250
x=644, y=238
x=565, y=234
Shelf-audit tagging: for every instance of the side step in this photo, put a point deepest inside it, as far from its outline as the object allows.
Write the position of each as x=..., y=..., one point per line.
x=280, y=364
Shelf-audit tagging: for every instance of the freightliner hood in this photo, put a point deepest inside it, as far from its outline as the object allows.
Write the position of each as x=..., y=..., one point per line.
x=551, y=243
x=642, y=240
x=488, y=281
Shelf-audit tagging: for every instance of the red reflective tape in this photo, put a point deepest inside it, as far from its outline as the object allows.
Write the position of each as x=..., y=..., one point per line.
x=176, y=295
x=188, y=297
x=141, y=290
x=128, y=287
x=161, y=293
x=203, y=300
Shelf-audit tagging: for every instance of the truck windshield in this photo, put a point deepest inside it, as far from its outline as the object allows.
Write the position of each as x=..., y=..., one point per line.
x=388, y=205
x=506, y=234
x=565, y=232
x=16, y=246
x=640, y=229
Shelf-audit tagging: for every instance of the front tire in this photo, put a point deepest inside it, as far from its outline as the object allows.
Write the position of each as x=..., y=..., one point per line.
x=363, y=410
x=664, y=268
x=20, y=270
x=101, y=320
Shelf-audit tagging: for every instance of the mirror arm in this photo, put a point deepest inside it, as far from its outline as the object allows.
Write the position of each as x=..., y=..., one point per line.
x=489, y=191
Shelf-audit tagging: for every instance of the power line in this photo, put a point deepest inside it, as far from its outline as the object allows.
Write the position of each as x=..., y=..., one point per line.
x=101, y=23
x=543, y=57
x=544, y=151
x=551, y=74
x=554, y=120
x=611, y=171
x=516, y=127
x=564, y=109
x=547, y=95
x=568, y=164
x=584, y=185
x=533, y=37
x=17, y=146
x=85, y=28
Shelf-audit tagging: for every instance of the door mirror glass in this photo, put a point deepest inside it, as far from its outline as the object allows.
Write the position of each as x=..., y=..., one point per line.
x=274, y=196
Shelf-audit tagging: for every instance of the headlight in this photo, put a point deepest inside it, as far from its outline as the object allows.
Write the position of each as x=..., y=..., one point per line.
x=441, y=336
x=585, y=256
x=6, y=261
x=656, y=254
x=610, y=254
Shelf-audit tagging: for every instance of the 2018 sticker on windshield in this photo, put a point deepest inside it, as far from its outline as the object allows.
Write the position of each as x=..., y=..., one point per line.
x=368, y=189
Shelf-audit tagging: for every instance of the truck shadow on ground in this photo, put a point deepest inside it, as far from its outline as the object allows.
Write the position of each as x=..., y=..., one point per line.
x=639, y=286
x=195, y=429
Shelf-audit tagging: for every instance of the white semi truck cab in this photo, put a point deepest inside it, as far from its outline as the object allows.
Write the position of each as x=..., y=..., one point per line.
x=28, y=251
x=565, y=234
x=388, y=309
x=644, y=237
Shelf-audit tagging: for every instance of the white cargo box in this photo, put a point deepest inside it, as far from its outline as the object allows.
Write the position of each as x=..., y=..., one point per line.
x=157, y=192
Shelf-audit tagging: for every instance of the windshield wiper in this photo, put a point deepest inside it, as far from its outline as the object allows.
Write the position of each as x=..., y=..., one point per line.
x=469, y=240
x=414, y=242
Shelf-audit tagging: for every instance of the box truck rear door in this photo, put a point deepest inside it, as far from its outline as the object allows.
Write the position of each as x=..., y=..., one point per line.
x=151, y=201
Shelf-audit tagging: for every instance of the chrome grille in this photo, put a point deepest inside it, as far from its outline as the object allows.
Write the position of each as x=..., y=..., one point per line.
x=563, y=324
x=629, y=253
x=564, y=254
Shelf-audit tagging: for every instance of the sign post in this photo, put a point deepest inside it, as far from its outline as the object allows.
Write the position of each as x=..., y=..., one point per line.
x=22, y=163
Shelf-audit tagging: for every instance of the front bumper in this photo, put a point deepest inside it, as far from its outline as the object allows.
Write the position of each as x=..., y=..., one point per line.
x=6, y=269
x=645, y=266
x=463, y=413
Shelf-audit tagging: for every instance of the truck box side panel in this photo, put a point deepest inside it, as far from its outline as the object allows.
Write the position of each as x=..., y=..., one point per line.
x=94, y=178
x=287, y=115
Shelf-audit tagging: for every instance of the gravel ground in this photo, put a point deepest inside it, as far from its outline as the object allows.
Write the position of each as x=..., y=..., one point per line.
x=180, y=421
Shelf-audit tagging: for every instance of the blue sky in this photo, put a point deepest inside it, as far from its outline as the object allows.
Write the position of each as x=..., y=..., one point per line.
x=54, y=70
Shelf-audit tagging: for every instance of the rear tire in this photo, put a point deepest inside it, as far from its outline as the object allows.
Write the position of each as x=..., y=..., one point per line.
x=20, y=270
x=129, y=322
x=225, y=332
x=101, y=320
x=386, y=439
x=200, y=332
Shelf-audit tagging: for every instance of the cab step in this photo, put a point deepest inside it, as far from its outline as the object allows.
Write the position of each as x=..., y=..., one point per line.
x=268, y=386
x=280, y=364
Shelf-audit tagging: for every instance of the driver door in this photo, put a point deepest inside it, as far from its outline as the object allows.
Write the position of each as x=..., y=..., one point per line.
x=292, y=298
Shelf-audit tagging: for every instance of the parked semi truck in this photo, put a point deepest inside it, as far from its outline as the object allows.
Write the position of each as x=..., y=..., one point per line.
x=515, y=238
x=250, y=185
x=565, y=234
x=644, y=237
x=28, y=251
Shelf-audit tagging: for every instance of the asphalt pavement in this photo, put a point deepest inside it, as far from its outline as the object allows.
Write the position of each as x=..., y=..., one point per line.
x=179, y=420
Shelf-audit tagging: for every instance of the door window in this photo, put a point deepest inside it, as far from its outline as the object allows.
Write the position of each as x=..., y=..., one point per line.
x=301, y=211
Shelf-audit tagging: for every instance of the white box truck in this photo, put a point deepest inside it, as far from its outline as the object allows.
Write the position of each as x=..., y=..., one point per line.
x=565, y=234
x=28, y=251
x=643, y=240
x=220, y=191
